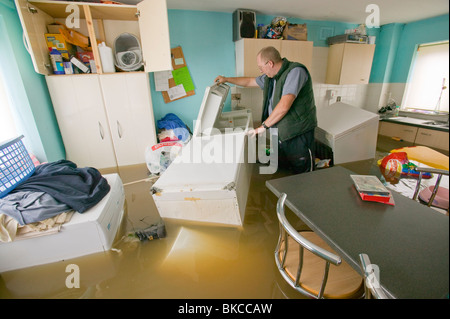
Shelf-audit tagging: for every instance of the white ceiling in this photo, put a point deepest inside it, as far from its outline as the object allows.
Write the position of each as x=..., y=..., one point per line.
x=351, y=11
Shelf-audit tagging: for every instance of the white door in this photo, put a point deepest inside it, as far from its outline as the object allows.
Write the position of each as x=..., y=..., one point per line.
x=154, y=29
x=78, y=104
x=34, y=24
x=130, y=113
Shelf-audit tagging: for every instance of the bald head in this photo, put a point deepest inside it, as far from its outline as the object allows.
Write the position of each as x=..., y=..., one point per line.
x=270, y=54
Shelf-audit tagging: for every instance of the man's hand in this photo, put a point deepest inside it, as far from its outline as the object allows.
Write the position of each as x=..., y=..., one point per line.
x=258, y=130
x=220, y=79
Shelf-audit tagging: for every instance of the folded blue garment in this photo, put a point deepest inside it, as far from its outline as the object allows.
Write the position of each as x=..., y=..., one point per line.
x=170, y=121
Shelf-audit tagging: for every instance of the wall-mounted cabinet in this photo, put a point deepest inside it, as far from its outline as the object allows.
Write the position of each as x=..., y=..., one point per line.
x=247, y=49
x=147, y=20
x=349, y=63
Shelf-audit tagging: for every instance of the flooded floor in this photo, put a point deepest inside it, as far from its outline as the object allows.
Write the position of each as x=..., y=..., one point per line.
x=194, y=260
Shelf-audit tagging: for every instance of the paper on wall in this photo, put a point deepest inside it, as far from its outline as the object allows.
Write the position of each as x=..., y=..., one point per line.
x=162, y=80
x=176, y=92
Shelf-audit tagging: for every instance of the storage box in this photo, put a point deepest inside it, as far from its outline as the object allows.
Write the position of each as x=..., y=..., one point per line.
x=57, y=41
x=210, y=179
x=348, y=38
x=295, y=32
x=54, y=28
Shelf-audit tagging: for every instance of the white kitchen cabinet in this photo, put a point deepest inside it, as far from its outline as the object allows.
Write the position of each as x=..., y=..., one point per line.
x=349, y=63
x=130, y=115
x=247, y=49
x=105, y=120
x=417, y=135
x=147, y=20
x=432, y=138
x=78, y=104
x=405, y=132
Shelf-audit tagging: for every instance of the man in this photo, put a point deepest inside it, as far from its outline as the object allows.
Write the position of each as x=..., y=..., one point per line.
x=288, y=105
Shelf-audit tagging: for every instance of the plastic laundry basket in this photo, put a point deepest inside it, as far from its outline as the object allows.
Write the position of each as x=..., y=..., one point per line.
x=15, y=165
x=128, y=53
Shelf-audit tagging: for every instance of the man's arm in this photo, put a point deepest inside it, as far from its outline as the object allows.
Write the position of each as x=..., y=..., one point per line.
x=280, y=110
x=241, y=81
x=278, y=113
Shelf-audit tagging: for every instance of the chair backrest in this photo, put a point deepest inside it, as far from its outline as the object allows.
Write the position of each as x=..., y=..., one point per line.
x=287, y=229
x=372, y=284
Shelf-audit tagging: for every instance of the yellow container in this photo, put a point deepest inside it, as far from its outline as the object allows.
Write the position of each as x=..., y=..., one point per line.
x=57, y=41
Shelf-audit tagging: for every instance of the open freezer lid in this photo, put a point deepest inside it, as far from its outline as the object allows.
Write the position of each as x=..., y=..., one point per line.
x=340, y=118
x=211, y=108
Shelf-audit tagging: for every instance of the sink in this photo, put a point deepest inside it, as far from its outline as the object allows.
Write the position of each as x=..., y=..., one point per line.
x=436, y=123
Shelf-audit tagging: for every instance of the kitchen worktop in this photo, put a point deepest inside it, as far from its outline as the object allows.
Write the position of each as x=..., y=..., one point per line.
x=429, y=124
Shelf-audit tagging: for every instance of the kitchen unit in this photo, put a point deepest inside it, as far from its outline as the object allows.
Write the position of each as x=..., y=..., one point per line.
x=106, y=119
x=247, y=49
x=416, y=131
x=210, y=180
x=349, y=63
x=110, y=123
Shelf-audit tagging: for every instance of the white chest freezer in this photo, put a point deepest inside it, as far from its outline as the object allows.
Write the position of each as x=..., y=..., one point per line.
x=209, y=181
x=91, y=232
x=351, y=132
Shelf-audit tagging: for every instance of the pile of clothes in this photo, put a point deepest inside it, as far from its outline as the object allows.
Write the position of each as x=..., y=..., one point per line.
x=53, y=189
x=171, y=128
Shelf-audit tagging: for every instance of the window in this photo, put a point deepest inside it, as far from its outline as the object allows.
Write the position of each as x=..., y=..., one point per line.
x=427, y=87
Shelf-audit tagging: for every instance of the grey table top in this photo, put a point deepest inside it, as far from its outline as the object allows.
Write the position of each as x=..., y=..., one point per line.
x=409, y=242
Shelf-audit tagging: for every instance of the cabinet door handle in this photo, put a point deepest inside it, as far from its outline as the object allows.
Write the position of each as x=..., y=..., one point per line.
x=100, y=129
x=119, y=129
x=426, y=134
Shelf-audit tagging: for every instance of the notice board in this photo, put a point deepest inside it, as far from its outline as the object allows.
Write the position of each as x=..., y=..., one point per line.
x=180, y=76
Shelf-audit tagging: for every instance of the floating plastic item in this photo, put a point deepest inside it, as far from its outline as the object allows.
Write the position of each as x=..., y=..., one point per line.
x=396, y=165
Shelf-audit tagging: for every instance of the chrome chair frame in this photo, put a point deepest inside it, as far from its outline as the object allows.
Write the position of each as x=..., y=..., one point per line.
x=438, y=172
x=286, y=230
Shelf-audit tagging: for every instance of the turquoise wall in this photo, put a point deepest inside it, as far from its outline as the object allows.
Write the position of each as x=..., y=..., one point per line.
x=206, y=41
x=31, y=100
x=414, y=33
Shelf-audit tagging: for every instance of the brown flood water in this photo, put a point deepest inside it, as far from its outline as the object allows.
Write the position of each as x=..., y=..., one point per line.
x=193, y=261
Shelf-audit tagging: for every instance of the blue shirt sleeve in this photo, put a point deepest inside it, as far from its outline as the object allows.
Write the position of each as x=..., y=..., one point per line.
x=295, y=80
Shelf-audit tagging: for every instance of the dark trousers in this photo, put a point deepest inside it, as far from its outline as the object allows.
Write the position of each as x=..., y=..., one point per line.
x=297, y=153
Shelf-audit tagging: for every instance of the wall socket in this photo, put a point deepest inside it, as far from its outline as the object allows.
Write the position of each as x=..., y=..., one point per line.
x=330, y=94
